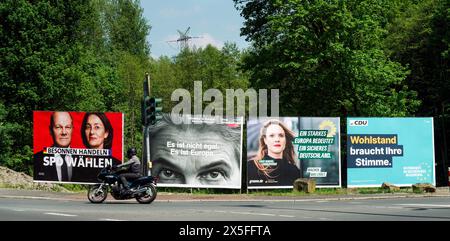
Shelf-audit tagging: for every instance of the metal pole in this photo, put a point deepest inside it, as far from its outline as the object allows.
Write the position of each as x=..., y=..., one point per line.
x=146, y=142
x=148, y=84
x=147, y=147
x=444, y=139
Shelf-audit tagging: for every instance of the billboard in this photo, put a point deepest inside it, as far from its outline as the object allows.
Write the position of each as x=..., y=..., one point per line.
x=201, y=152
x=72, y=147
x=399, y=151
x=280, y=150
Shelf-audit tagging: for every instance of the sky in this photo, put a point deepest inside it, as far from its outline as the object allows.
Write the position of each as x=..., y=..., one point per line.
x=212, y=21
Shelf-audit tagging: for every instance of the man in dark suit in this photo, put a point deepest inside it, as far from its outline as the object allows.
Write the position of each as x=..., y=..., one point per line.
x=55, y=167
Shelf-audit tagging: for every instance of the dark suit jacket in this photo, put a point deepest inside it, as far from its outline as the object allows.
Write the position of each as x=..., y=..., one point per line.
x=41, y=172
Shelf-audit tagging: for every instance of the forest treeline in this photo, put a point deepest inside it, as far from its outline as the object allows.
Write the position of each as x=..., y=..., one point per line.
x=327, y=58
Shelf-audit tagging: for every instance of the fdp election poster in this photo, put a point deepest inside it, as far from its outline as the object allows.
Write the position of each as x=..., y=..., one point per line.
x=394, y=150
x=72, y=147
x=283, y=149
x=196, y=152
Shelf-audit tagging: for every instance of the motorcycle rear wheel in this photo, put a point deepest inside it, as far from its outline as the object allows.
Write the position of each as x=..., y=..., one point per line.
x=149, y=196
x=97, y=193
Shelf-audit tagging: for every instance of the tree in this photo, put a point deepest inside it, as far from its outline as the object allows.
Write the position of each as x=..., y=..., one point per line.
x=126, y=28
x=326, y=58
x=419, y=38
x=38, y=47
x=131, y=71
x=164, y=80
x=213, y=67
x=67, y=55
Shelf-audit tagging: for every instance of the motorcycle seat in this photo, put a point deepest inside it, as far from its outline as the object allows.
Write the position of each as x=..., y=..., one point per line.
x=139, y=179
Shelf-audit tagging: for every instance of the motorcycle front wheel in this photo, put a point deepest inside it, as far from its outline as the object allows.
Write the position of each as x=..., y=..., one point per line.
x=149, y=195
x=97, y=193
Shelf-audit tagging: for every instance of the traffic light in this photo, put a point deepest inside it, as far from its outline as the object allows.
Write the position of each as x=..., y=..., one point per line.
x=152, y=110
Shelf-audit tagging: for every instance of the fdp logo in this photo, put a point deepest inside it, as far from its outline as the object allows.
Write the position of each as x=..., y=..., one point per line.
x=359, y=122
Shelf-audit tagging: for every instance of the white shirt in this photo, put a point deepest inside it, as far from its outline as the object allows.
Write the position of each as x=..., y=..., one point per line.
x=59, y=162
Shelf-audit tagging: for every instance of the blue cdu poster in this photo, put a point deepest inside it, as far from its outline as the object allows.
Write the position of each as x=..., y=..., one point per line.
x=399, y=151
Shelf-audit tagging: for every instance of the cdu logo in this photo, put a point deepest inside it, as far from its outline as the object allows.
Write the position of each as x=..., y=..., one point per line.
x=359, y=122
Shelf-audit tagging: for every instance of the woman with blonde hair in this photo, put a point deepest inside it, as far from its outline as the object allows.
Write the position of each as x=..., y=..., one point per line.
x=275, y=162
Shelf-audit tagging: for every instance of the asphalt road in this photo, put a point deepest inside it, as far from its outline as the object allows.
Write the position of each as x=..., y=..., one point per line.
x=396, y=209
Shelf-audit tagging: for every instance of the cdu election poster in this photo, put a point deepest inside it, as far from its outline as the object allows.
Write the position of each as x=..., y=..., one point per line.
x=399, y=151
x=193, y=151
x=281, y=150
x=72, y=147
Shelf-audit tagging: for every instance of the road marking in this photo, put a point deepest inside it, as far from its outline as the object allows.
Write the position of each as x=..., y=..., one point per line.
x=424, y=205
x=244, y=213
x=42, y=198
x=18, y=210
x=258, y=214
x=381, y=207
x=265, y=214
x=62, y=214
x=110, y=219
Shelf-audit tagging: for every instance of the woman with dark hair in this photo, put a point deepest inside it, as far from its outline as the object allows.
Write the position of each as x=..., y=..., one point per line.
x=96, y=131
x=275, y=162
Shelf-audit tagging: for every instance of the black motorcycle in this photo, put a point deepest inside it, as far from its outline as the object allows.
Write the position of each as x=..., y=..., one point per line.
x=142, y=188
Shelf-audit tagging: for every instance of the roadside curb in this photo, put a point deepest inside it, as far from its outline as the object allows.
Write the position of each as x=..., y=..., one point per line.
x=272, y=199
x=16, y=194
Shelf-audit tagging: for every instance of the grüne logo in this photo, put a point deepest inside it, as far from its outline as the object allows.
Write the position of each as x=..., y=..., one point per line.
x=359, y=122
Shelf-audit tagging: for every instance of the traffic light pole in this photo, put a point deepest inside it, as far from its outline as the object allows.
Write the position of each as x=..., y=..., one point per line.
x=151, y=113
x=146, y=142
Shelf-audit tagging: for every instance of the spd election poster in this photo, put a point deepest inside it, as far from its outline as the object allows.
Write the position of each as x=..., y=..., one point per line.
x=72, y=147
